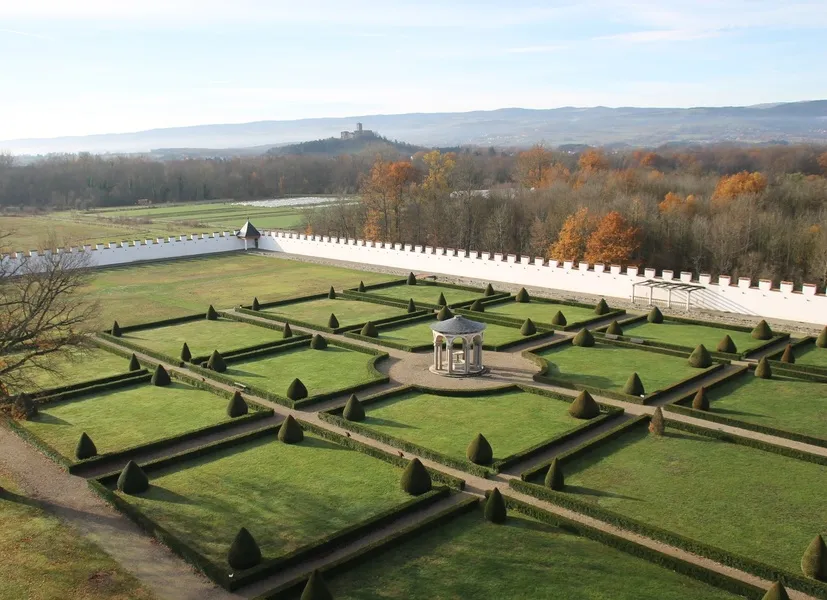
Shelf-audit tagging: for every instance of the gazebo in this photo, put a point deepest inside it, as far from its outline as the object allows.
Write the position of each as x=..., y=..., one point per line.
x=247, y=232
x=460, y=363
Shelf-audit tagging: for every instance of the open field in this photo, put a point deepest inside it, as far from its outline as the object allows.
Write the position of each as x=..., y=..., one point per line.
x=75, y=367
x=471, y=558
x=286, y=495
x=690, y=335
x=541, y=312
x=425, y=293
x=811, y=355
x=214, y=216
x=348, y=312
x=419, y=333
x=126, y=417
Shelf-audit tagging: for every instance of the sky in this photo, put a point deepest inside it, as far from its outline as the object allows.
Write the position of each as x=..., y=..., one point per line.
x=104, y=66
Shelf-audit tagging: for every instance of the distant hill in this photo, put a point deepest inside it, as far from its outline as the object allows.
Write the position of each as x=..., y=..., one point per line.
x=332, y=146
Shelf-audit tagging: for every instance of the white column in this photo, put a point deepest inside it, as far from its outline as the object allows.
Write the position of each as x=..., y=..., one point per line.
x=668, y=297
x=651, y=291
x=436, y=356
x=466, y=352
x=450, y=347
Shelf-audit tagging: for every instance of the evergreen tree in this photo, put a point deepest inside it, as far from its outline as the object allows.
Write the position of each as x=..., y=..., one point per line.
x=763, y=369
x=821, y=340
x=614, y=328
x=477, y=306
x=212, y=315
x=528, y=327
x=86, y=447
x=411, y=279
x=369, y=330
x=134, y=365
x=479, y=451
x=700, y=358
x=244, y=551
x=256, y=305
x=522, y=296
x=657, y=425
x=489, y=290
x=415, y=478
x=116, y=329
x=354, y=411
x=160, y=377
x=444, y=314
x=634, y=386
x=237, y=406
x=441, y=300
x=655, y=316
x=361, y=287
x=332, y=321
x=814, y=561
x=317, y=342
x=762, y=331
x=554, y=476
x=296, y=390
x=216, y=362
x=287, y=332
x=331, y=294
x=584, y=406
x=776, y=592
x=584, y=339
x=601, y=308
x=559, y=319
x=700, y=401
x=132, y=479
x=316, y=588
x=727, y=345
x=495, y=511
x=411, y=306
x=186, y=355
x=290, y=431
x=788, y=356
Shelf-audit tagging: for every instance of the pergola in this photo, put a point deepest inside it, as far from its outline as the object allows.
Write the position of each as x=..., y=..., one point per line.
x=460, y=363
x=669, y=286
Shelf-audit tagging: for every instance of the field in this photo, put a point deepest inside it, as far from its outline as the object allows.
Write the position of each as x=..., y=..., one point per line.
x=690, y=335
x=428, y=294
x=812, y=355
x=541, y=312
x=471, y=558
x=419, y=333
x=348, y=312
x=125, y=417
x=287, y=495
x=74, y=367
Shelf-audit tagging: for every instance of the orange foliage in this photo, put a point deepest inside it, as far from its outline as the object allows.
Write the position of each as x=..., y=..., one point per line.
x=383, y=192
x=372, y=230
x=822, y=162
x=732, y=186
x=674, y=204
x=532, y=166
x=614, y=241
x=650, y=159
x=593, y=160
x=556, y=172
x=571, y=241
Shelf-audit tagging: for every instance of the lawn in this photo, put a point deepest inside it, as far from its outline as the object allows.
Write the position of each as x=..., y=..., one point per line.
x=419, y=333
x=471, y=558
x=425, y=293
x=286, y=495
x=348, y=312
x=71, y=368
x=511, y=421
x=541, y=312
x=321, y=371
x=44, y=559
x=202, y=337
x=126, y=417
x=811, y=355
x=690, y=335
x=754, y=503
x=608, y=367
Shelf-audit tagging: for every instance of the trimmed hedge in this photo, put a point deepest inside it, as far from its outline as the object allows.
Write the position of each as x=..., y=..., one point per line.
x=255, y=305
x=655, y=316
x=244, y=552
x=216, y=362
x=415, y=479
x=762, y=331
x=727, y=346
x=353, y=410
x=495, y=511
x=93, y=386
x=554, y=479
x=584, y=339
x=86, y=447
x=290, y=431
x=212, y=314
x=479, y=451
x=316, y=588
x=614, y=328
x=296, y=390
x=186, y=355
x=134, y=364
x=700, y=358
x=814, y=561
x=132, y=479
x=522, y=296
x=115, y=331
x=763, y=369
x=559, y=319
x=528, y=328
x=634, y=386
x=601, y=308
x=160, y=377
x=584, y=406
x=237, y=406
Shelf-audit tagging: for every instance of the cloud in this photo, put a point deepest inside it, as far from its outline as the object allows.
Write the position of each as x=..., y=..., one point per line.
x=536, y=49
x=25, y=34
x=658, y=35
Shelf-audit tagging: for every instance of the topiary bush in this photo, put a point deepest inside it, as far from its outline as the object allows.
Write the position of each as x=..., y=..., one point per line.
x=821, y=340
x=132, y=479
x=614, y=328
x=237, y=406
x=700, y=401
x=415, y=478
x=296, y=390
x=24, y=408
x=160, y=377
x=244, y=551
x=134, y=365
x=361, y=287
x=554, y=476
x=116, y=329
x=316, y=588
x=332, y=321
x=528, y=328
x=290, y=431
x=726, y=345
x=601, y=308
x=86, y=447
x=479, y=451
x=495, y=511
x=411, y=306
x=657, y=426
x=211, y=314
x=522, y=296
x=317, y=342
x=287, y=332
x=331, y=293
x=776, y=592
x=489, y=290
x=354, y=411
x=762, y=331
x=763, y=369
x=444, y=314
x=655, y=316
x=814, y=561
x=788, y=356
x=441, y=300
x=216, y=362
x=559, y=319
x=369, y=330
x=256, y=305
x=411, y=279
x=584, y=406
x=186, y=355
x=584, y=339
x=700, y=358
x=477, y=306
x=634, y=386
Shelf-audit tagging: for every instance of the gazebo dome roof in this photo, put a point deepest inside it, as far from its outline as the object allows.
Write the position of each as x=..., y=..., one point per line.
x=248, y=231
x=458, y=325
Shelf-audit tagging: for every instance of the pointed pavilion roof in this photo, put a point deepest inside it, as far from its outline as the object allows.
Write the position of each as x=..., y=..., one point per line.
x=248, y=231
x=458, y=325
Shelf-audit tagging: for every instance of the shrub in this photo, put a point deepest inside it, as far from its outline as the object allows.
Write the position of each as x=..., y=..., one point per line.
x=317, y=342
x=86, y=447
x=584, y=339
x=727, y=345
x=415, y=478
x=256, y=305
x=296, y=390
x=762, y=331
x=24, y=408
x=657, y=426
x=361, y=287
x=821, y=340
x=160, y=377
x=559, y=319
x=316, y=588
x=211, y=314
x=477, y=306
x=354, y=411
x=411, y=306
x=489, y=290
x=554, y=476
x=237, y=406
x=411, y=279
x=655, y=316
x=763, y=369
x=116, y=329
x=186, y=355
x=287, y=332
x=441, y=300
x=479, y=451
x=776, y=592
x=332, y=321
x=634, y=386
x=788, y=356
x=244, y=551
x=290, y=431
x=614, y=328
x=132, y=479
x=444, y=314
x=601, y=308
x=522, y=296
x=700, y=358
x=216, y=362
x=369, y=330
x=528, y=327
x=700, y=401
x=584, y=406
x=495, y=511
x=814, y=561
x=331, y=294
x=134, y=365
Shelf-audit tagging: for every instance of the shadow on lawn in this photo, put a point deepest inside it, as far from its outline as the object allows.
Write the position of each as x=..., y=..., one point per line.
x=585, y=491
x=730, y=411
x=387, y=423
x=44, y=417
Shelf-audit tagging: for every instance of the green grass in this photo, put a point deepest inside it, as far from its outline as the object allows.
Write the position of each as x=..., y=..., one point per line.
x=471, y=558
x=541, y=312
x=419, y=333
x=348, y=312
x=286, y=495
x=73, y=367
x=690, y=335
x=122, y=418
x=608, y=367
x=811, y=355
x=783, y=402
x=321, y=371
x=44, y=559
x=202, y=337
x=425, y=293
x=511, y=421
x=754, y=503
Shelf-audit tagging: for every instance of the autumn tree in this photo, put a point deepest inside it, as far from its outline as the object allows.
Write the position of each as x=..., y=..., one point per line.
x=822, y=162
x=532, y=166
x=740, y=184
x=383, y=195
x=673, y=203
x=435, y=191
x=571, y=241
x=592, y=160
x=613, y=241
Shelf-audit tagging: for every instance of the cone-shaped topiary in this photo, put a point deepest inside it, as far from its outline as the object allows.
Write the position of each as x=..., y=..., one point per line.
x=415, y=478
x=160, y=377
x=776, y=592
x=237, y=406
x=186, y=355
x=211, y=314
x=584, y=338
x=411, y=279
x=477, y=306
x=216, y=362
x=290, y=431
x=495, y=511
x=655, y=316
x=444, y=314
x=134, y=365
x=522, y=296
x=726, y=345
x=86, y=447
x=479, y=451
x=614, y=328
x=634, y=386
x=441, y=300
x=411, y=306
x=24, y=407
x=331, y=294
x=554, y=476
x=369, y=330
x=316, y=588
x=317, y=342
x=244, y=551
x=821, y=340
x=601, y=308
x=116, y=329
x=296, y=390
x=361, y=287
x=256, y=305
x=657, y=425
x=489, y=290
x=132, y=479
x=763, y=369
x=584, y=406
x=788, y=356
x=528, y=328
x=814, y=561
x=700, y=358
x=700, y=401
x=287, y=332
x=353, y=409
x=559, y=319
x=762, y=331
x=332, y=321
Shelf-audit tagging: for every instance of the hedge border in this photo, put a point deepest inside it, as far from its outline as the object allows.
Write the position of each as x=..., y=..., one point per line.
x=435, y=284
x=796, y=367
x=516, y=321
x=163, y=322
x=67, y=391
x=141, y=376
